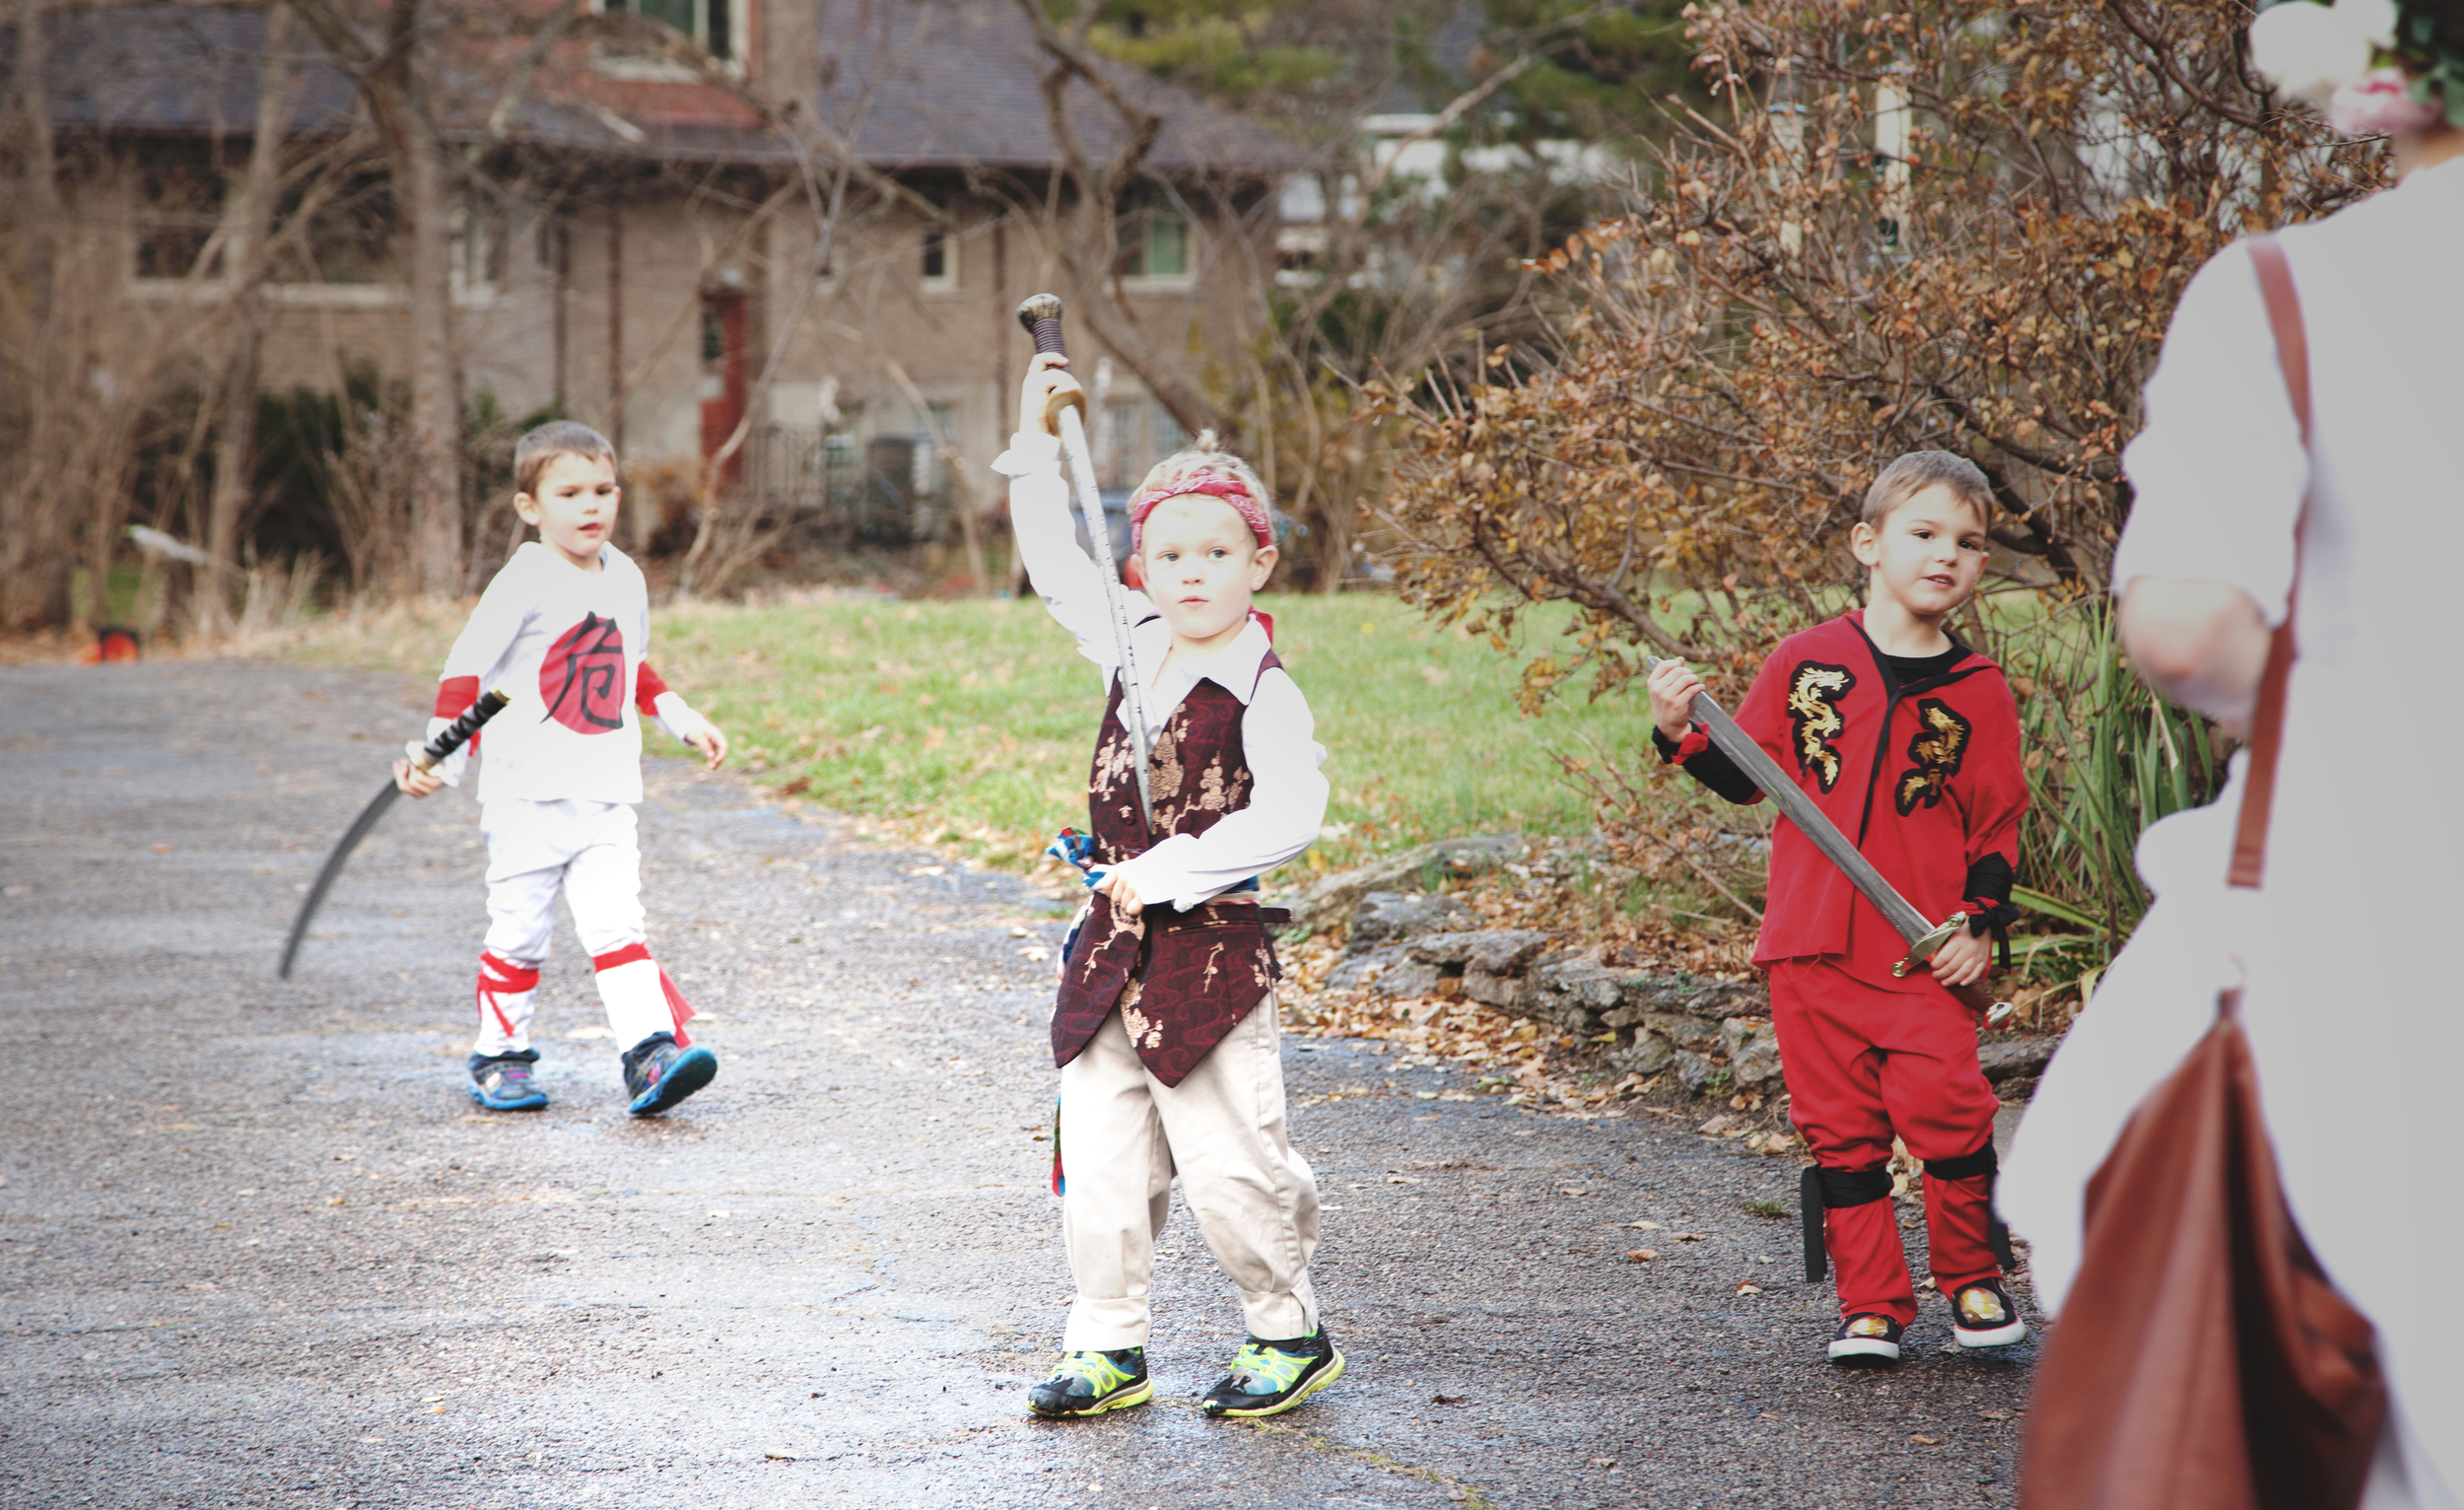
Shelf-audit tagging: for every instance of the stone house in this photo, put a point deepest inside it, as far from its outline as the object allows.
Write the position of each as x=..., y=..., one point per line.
x=639, y=237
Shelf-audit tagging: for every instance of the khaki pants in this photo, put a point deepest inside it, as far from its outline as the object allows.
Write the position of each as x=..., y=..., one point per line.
x=1125, y=1136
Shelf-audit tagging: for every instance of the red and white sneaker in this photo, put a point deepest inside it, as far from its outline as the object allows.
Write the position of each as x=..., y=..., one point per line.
x=1982, y=1316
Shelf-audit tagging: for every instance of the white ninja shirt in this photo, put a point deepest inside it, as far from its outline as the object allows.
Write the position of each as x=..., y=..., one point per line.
x=567, y=647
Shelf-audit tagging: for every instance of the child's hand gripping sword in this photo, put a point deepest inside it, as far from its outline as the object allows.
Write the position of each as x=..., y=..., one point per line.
x=1923, y=937
x=427, y=757
x=1041, y=315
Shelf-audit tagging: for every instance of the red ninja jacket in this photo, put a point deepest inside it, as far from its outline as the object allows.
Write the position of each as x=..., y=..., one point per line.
x=1924, y=776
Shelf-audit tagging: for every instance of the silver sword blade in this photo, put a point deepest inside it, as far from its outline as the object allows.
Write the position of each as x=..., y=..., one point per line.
x=1098, y=544
x=351, y=838
x=1799, y=809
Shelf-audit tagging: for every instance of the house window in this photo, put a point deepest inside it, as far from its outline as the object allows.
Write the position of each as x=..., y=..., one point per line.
x=481, y=235
x=348, y=239
x=183, y=204
x=711, y=23
x=940, y=261
x=1154, y=243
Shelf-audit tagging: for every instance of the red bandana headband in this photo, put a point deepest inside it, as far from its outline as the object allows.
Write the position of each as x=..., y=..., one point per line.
x=1222, y=485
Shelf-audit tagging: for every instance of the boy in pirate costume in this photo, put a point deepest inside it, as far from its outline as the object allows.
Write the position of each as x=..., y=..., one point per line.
x=563, y=630
x=1910, y=742
x=1166, y=1028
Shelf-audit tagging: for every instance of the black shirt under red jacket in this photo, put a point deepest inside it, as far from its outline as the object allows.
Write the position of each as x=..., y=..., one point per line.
x=1923, y=772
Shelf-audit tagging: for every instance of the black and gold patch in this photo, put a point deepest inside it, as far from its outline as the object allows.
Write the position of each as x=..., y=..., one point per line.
x=1940, y=744
x=1813, y=694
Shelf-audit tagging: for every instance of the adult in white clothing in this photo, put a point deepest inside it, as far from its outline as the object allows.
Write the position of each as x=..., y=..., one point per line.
x=2352, y=1006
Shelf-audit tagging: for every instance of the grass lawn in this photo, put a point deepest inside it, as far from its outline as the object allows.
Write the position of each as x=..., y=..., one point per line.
x=972, y=723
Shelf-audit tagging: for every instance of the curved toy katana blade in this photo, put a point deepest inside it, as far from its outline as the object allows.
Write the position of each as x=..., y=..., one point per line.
x=428, y=756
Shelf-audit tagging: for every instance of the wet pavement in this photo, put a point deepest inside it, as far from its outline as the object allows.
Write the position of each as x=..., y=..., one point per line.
x=256, y=1248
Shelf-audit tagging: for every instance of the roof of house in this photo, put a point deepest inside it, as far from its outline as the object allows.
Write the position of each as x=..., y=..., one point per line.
x=960, y=83
x=915, y=84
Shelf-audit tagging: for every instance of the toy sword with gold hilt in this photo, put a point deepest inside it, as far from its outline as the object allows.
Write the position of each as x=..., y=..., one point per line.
x=1923, y=937
x=425, y=756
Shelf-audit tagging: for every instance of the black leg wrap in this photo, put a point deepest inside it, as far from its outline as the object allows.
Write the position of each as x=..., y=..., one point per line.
x=1810, y=1209
x=1820, y=1190
x=1968, y=1167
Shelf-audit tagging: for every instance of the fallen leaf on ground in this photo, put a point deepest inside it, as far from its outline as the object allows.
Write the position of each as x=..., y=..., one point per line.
x=1686, y=1237
x=1642, y=1255
x=1446, y=1399
x=1749, y=1288
x=1995, y=1416
x=1645, y=1226
x=1926, y=1441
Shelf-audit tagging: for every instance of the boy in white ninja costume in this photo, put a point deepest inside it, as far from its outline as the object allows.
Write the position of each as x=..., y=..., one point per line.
x=562, y=631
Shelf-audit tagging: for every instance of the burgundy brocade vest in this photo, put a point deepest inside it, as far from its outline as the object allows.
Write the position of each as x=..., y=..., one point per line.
x=1182, y=980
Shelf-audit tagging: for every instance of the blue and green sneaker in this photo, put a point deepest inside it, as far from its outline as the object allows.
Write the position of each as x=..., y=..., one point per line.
x=658, y=1073
x=1270, y=1377
x=1092, y=1383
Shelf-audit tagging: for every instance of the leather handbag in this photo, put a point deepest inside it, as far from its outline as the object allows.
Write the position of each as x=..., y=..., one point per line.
x=2203, y=1360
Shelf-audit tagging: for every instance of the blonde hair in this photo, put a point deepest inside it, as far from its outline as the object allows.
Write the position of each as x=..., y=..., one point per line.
x=1203, y=455
x=1918, y=470
x=557, y=438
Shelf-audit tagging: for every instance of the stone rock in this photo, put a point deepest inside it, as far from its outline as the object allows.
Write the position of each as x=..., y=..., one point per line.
x=1753, y=1053
x=1357, y=970
x=1332, y=898
x=1492, y=951
x=1648, y=1054
x=1390, y=916
x=1579, y=982
x=1694, y=997
x=1409, y=978
x=1695, y=1071
x=1684, y=1032
x=1502, y=992
x=2015, y=1056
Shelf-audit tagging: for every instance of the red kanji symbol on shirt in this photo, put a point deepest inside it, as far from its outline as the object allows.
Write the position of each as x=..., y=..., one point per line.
x=582, y=678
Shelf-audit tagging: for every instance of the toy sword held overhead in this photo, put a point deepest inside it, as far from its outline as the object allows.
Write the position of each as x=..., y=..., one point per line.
x=427, y=757
x=1923, y=937
x=1041, y=315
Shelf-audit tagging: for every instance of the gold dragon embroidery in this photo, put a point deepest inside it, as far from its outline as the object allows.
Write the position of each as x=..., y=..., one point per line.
x=1940, y=744
x=1813, y=695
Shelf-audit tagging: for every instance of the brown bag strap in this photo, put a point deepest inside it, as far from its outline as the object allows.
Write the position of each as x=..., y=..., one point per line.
x=2266, y=726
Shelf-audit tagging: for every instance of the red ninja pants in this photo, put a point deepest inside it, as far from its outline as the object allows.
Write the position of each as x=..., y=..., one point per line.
x=1862, y=1063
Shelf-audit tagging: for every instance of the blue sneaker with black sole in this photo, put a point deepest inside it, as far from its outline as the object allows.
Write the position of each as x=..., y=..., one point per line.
x=502, y=1082
x=658, y=1073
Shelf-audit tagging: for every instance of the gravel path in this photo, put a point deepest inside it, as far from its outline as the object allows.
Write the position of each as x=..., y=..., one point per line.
x=257, y=1249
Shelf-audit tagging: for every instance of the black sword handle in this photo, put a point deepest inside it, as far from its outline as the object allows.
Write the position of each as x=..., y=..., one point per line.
x=1041, y=315
x=456, y=735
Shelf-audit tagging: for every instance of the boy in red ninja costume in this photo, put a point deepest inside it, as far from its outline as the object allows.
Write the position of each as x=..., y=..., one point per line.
x=1910, y=742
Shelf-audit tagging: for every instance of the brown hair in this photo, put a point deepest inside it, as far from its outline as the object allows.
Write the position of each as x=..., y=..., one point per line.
x=1918, y=470
x=557, y=438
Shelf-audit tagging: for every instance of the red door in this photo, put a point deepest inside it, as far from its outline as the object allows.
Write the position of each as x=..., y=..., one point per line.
x=722, y=378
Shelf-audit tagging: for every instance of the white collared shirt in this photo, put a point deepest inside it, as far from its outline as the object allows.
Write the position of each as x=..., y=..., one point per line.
x=1278, y=734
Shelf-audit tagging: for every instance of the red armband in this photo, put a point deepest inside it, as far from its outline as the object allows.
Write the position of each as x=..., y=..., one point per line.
x=455, y=696
x=645, y=690
x=1696, y=741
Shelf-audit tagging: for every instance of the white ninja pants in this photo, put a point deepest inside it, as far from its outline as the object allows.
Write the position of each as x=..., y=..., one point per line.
x=1124, y=1135
x=587, y=849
